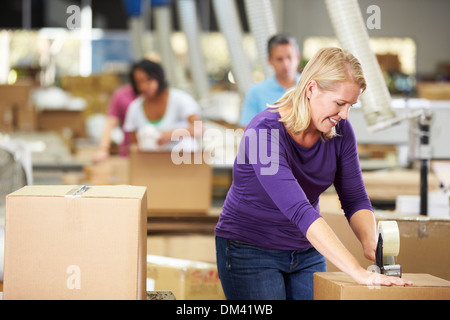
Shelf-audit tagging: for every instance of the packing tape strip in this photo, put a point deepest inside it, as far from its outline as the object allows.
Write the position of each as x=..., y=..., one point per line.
x=77, y=191
x=391, y=237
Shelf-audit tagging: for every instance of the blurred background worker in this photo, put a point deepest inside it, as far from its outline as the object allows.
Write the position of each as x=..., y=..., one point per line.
x=117, y=111
x=284, y=57
x=159, y=110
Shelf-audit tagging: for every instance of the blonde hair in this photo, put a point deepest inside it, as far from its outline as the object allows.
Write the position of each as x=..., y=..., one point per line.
x=327, y=67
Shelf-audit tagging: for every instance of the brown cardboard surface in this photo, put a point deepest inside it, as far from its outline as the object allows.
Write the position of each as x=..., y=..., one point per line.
x=339, y=286
x=6, y=118
x=388, y=184
x=16, y=109
x=113, y=170
x=61, y=246
x=16, y=94
x=183, y=188
x=197, y=247
x=58, y=120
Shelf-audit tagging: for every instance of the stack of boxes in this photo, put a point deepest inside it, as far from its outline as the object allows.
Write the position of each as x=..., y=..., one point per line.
x=17, y=111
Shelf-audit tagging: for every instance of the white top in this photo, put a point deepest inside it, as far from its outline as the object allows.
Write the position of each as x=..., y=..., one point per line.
x=180, y=106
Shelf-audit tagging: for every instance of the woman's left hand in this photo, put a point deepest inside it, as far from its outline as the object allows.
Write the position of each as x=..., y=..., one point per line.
x=164, y=138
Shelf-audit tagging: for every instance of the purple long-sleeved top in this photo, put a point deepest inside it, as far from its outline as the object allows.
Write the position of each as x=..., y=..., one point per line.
x=274, y=197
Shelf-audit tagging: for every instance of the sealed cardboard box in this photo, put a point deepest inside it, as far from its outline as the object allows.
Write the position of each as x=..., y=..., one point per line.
x=339, y=286
x=67, y=242
x=186, y=279
x=172, y=188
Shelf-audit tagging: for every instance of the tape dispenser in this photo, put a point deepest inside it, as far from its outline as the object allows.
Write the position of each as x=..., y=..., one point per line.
x=388, y=247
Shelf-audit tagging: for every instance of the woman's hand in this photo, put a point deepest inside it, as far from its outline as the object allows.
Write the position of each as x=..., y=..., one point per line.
x=101, y=155
x=374, y=279
x=164, y=138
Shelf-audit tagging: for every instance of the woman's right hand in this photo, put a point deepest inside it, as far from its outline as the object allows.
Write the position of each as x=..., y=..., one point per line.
x=377, y=279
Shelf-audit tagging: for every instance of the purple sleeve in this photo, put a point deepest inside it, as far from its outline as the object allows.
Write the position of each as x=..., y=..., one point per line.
x=348, y=181
x=266, y=153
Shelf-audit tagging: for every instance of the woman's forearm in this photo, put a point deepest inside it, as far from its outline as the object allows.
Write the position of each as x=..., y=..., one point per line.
x=323, y=238
x=363, y=225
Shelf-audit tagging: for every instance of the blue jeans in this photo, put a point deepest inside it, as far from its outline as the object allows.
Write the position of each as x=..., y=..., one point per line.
x=248, y=272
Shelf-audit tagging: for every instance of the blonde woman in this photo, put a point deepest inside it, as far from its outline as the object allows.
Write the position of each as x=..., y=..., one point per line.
x=270, y=237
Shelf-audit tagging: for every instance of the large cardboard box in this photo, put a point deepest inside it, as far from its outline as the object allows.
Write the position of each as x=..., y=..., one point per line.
x=172, y=188
x=186, y=279
x=424, y=242
x=339, y=286
x=60, y=120
x=61, y=243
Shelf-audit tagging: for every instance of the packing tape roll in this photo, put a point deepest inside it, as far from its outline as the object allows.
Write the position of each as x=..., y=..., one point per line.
x=391, y=237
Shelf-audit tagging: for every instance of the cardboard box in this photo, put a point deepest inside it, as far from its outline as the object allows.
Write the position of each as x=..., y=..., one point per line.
x=15, y=100
x=112, y=171
x=388, y=184
x=339, y=286
x=172, y=188
x=59, y=120
x=424, y=242
x=6, y=118
x=186, y=279
x=26, y=118
x=16, y=94
x=64, y=245
x=434, y=90
x=198, y=247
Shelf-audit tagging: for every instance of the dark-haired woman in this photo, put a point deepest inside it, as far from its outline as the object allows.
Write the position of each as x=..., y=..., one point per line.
x=159, y=107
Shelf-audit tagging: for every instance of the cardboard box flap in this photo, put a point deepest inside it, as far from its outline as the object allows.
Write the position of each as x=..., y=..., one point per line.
x=116, y=191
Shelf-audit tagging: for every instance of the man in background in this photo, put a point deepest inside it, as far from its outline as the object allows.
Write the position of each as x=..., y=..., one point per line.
x=284, y=57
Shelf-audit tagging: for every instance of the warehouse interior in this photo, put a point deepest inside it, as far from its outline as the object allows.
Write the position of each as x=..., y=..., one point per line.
x=61, y=61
